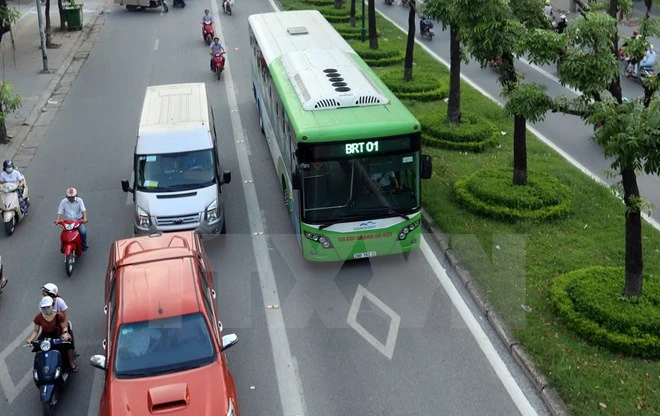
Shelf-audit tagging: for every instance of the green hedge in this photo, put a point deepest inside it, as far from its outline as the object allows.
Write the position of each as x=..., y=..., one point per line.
x=473, y=134
x=388, y=52
x=590, y=302
x=490, y=192
x=349, y=32
x=320, y=2
x=425, y=86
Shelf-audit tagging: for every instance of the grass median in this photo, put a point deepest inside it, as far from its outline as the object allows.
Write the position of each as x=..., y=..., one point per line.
x=515, y=263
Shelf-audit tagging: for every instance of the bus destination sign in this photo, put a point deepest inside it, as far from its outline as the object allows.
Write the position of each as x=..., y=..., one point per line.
x=359, y=148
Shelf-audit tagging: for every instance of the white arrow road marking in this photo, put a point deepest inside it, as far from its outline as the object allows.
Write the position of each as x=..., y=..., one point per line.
x=13, y=390
x=386, y=349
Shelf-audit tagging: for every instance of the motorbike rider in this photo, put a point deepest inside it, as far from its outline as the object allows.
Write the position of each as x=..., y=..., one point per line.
x=561, y=24
x=216, y=47
x=225, y=3
x=51, y=324
x=73, y=208
x=11, y=175
x=60, y=306
x=548, y=8
x=424, y=24
x=207, y=17
x=648, y=61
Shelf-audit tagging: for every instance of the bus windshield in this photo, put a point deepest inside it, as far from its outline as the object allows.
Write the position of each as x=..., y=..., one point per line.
x=175, y=171
x=365, y=187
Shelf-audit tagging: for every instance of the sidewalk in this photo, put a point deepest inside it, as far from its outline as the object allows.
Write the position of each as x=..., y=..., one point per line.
x=25, y=74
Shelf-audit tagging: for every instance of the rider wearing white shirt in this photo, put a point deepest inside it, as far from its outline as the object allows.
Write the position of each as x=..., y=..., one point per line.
x=11, y=175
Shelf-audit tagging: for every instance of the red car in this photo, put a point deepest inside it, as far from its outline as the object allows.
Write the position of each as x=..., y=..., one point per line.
x=164, y=348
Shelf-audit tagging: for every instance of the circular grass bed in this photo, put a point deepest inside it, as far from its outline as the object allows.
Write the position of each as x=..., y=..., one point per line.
x=425, y=86
x=472, y=134
x=591, y=303
x=490, y=192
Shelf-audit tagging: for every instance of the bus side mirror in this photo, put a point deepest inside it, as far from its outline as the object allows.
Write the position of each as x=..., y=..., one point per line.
x=427, y=167
x=295, y=179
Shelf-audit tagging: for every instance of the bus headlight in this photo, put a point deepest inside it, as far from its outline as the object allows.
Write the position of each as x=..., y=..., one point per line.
x=407, y=229
x=143, y=218
x=212, y=211
x=321, y=239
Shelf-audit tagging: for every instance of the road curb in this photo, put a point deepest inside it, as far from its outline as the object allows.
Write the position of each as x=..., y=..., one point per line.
x=547, y=393
x=22, y=147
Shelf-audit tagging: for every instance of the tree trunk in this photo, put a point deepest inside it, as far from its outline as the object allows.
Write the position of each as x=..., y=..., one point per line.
x=3, y=127
x=60, y=7
x=373, y=32
x=648, y=4
x=49, y=37
x=634, y=260
x=352, y=20
x=519, y=150
x=410, y=47
x=338, y=4
x=454, y=103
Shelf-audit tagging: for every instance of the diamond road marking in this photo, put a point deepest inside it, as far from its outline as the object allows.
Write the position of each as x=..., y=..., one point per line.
x=386, y=349
x=13, y=390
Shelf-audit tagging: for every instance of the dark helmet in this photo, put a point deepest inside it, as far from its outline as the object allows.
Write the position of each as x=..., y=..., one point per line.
x=216, y=38
x=6, y=164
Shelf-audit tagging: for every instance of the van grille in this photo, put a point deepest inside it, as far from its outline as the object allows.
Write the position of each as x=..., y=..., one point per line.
x=191, y=219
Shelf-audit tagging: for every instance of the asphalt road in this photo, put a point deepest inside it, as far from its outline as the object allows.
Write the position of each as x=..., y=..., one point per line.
x=568, y=133
x=426, y=355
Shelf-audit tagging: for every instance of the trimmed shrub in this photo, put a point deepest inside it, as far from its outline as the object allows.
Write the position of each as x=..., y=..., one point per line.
x=320, y=2
x=349, y=32
x=473, y=134
x=490, y=192
x=590, y=302
x=388, y=53
x=425, y=86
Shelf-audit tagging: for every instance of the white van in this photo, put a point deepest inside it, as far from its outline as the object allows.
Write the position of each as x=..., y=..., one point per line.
x=176, y=171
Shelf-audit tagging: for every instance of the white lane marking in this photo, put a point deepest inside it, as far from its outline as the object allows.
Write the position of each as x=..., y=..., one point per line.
x=156, y=44
x=538, y=134
x=95, y=396
x=13, y=390
x=510, y=384
x=386, y=349
x=286, y=370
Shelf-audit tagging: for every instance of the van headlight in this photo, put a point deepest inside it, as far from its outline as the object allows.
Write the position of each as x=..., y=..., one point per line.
x=212, y=211
x=143, y=218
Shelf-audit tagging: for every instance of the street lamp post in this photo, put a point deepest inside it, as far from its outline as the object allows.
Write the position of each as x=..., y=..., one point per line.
x=44, y=54
x=364, y=30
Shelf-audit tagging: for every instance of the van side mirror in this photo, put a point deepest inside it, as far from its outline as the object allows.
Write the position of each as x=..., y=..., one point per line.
x=125, y=187
x=427, y=167
x=226, y=177
x=296, y=181
x=98, y=361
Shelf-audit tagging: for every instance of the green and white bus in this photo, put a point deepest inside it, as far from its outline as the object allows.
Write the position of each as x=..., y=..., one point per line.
x=346, y=150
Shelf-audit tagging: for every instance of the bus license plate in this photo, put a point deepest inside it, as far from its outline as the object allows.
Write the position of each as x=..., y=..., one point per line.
x=365, y=255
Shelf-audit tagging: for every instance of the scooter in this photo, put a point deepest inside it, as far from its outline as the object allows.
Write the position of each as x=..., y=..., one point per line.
x=11, y=208
x=218, y=63
x=428, y=33
x=178, y=3
x=227, y=6
x=207, y=31
x=51, y=370
x=70, y=243
x=643, y=73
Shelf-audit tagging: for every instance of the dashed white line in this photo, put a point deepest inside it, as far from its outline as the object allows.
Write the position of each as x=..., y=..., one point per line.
x=6, y=382
x=503, y=373
x=156, y=44
x=286, y=369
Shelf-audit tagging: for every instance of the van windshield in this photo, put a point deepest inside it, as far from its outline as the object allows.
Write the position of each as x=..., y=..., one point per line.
x=175, y=171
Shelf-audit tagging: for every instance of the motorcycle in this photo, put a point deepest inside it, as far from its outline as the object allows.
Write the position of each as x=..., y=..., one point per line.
x=218, y=63
x=178, y=3
x=428, y=32
x=207, y=31
x=642, y=74
x=11, y=208
x=51, y=370
x=70, y=243
x=227, y=6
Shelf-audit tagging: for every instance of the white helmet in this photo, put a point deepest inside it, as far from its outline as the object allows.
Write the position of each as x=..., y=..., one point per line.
x=71, y=192
x=50, y=288
x=46, y=302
